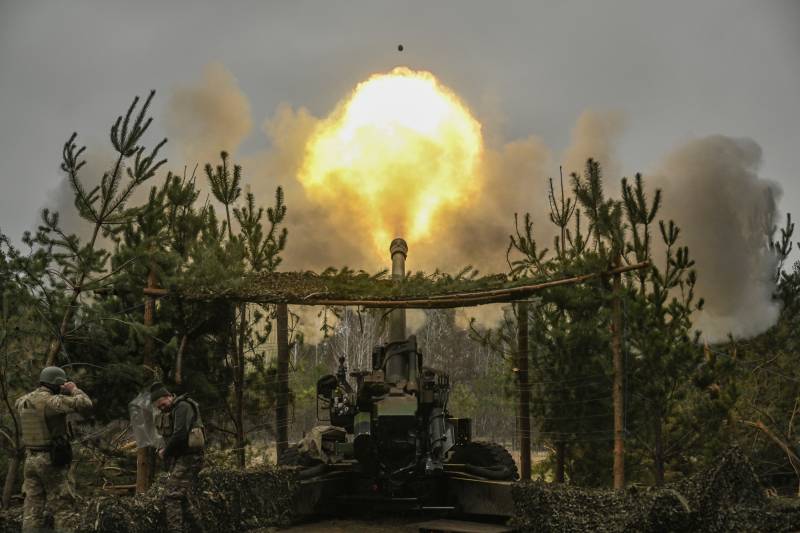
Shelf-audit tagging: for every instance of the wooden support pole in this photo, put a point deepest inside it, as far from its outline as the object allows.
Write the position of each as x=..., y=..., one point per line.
x=524, y=392
x=619, y=371
x=144, y=456
x=18, y=451
x=11, y=476
x=561, y=457
x=282, y=400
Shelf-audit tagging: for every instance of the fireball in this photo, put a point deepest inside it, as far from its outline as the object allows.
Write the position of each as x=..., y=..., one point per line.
x=395, y=153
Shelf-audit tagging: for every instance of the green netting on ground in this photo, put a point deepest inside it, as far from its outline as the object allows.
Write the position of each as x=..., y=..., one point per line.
x=11, y=520
x=726, y=497
x=227, y=499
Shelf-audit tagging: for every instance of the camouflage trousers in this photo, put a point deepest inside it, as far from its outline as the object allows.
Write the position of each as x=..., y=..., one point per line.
x=182, y=479
x=46, y=488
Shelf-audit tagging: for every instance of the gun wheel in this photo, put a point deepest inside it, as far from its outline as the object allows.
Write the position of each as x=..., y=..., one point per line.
x=486, y=459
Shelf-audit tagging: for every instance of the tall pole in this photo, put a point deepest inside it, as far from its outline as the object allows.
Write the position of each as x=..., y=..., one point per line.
x=618, y=399
x=18, y=451
x=524, y=392
x=282, y=401
x=144, y=456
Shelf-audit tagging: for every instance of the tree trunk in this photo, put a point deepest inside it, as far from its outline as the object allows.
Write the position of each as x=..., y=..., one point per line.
x=619, y=417
x=282, y=400
x=524, y=392
x=239, y=386
x=561, y=459
x=179, y=360
x=11, y=478
x=145, y=470
x=658, y=455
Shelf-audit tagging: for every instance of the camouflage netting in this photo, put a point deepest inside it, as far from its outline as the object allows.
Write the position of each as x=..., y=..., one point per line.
x=727, y=497
x=297, y=287
x=346, y=287
x=228, y=500
x=11, y=520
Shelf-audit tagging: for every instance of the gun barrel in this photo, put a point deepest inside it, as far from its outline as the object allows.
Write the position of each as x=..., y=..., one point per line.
x=397, y=318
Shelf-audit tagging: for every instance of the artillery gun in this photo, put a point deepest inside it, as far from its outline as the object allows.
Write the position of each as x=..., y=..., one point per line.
x=390, y=437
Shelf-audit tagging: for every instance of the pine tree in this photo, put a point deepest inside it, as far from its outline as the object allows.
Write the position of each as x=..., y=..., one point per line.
x=82, y=266
x=571, y=368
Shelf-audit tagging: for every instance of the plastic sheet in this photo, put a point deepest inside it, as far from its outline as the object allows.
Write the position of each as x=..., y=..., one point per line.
x=143, y=421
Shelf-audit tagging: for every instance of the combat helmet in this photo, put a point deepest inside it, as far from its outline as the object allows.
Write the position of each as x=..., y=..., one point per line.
x=53, y=375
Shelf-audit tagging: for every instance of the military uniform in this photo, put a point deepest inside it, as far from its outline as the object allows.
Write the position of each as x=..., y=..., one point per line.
x=182, y=429
x=42, y=415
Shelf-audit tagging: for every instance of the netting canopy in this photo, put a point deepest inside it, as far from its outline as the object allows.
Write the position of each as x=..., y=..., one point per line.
x=348, y=288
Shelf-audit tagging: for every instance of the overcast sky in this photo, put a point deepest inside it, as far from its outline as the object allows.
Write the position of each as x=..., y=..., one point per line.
x=676, y=70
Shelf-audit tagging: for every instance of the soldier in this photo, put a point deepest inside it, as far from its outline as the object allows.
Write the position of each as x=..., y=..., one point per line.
x=43, y=418
x=184, y=441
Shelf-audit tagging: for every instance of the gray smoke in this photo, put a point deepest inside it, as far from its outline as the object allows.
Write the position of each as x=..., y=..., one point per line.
x=99, y=159
x=595, y=136
x=725, y=210
x=515, y=182
x=209, y=117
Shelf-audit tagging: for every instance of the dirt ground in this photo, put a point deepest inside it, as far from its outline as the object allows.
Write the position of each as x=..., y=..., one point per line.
x=388, y=525
x=407, y=524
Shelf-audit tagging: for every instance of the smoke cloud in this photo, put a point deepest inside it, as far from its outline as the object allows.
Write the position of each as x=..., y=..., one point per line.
x=315, y=241
x=725, y=210
x=515, y=176
x=711, y=189
x=595, y=136
x=209, y=117
x=99, y=160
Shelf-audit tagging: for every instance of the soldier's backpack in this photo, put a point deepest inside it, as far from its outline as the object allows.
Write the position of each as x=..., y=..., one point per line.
x=197, y=435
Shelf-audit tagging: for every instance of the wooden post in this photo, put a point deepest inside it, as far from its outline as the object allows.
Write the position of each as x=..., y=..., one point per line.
x=18, y=451
x=144, y=456
x=618, y=399
x=11, y=476
x=282, y=400
x=561, y=457
x=524, y=392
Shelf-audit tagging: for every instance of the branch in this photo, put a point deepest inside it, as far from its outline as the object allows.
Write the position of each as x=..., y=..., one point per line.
x=794, y=460
x=215, y=427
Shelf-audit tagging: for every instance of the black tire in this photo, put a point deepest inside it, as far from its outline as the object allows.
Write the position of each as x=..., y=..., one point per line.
x=486, y=459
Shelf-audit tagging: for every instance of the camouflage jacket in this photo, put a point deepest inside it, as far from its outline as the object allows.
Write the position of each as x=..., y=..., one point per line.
x=176, y=425
x=43, y=414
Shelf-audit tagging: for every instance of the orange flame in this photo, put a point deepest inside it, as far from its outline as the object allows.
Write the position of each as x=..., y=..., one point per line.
x=396, y=152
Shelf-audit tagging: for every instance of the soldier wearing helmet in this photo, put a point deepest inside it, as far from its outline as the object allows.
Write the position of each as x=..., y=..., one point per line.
x=43, y=419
